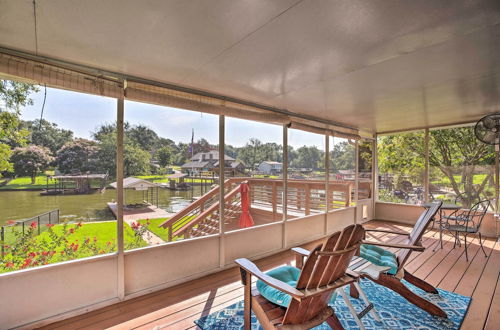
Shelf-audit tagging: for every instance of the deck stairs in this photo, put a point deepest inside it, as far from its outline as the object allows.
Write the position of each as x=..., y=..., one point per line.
x=202, y=217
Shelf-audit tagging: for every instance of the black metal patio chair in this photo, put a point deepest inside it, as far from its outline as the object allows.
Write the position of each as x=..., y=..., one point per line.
x=467, y=222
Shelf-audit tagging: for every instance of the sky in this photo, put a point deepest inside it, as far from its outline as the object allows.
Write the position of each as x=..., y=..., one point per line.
x=83, y=113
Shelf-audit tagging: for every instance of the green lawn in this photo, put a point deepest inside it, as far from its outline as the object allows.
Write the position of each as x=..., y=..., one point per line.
x=103, y=231
x=24, y=182
x=153, y=227
x=478, y=179
x=262, y=176
x=163, y=232
x=164, y=179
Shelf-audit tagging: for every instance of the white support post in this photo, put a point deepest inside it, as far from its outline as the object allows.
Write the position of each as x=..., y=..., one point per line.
x=284, y=172
x=356, y=179
x=120, y=196
x=497, y=188
x=222, y=245
x=426, y=167
x=327, y=180
x=374, y=174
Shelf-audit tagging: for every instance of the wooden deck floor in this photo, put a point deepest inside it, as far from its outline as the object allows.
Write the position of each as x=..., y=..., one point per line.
x=179, y=306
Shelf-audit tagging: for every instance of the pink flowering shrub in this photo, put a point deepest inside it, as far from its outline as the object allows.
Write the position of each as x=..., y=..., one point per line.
x=141, y=232
x=30, y=249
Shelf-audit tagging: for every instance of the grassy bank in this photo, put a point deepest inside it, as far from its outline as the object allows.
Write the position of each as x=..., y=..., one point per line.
x=24, y=182
x=63, y=243
x=104, y=232
x=160, y=231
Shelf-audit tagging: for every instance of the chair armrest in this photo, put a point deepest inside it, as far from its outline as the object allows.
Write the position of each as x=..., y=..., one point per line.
x=352, y=273
x=300, y=251
x=251, y=268
x=388, y=231
x=401, y=246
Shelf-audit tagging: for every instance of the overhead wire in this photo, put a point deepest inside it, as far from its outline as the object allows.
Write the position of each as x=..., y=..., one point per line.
x=43, y=107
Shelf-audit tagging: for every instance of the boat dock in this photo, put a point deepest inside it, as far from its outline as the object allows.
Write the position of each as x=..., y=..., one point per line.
x=149, y=212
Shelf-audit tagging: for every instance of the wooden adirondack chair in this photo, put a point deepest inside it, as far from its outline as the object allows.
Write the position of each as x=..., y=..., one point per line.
x=324, y=271
x=382, y=274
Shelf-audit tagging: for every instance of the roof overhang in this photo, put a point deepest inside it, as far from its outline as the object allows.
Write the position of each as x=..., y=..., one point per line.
x=135, y=183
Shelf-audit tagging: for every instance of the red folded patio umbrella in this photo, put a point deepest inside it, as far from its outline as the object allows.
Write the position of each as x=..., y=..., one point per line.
x=245, y=218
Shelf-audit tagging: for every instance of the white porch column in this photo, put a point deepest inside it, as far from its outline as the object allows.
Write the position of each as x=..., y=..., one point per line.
x=356, y=178
x=374, y=174
x=426, y=166
x=222, y=246
x=327, y=180
x=284, y=172
x=120, y=195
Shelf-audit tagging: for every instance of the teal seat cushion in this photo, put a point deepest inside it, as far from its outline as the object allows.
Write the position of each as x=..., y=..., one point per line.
x=289, y=275
x=379, y=256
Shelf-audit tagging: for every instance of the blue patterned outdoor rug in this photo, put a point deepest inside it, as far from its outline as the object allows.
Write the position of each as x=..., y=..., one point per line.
x=394, y=310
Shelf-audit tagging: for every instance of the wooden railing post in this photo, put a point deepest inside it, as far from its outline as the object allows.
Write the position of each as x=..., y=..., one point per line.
x=274, y=200
x=170, y=233
x=348, y=197
x=298, y=199
x=329, y=198
x=307, y=198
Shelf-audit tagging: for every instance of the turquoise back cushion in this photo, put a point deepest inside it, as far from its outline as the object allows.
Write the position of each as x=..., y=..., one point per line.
x=379, y=256
x=289, y=275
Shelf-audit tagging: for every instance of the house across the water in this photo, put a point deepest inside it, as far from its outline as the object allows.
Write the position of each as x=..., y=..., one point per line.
x=209, y=162
x=269, y=167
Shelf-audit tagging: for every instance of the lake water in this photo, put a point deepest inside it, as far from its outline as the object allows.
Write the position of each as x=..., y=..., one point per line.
x=17, y=205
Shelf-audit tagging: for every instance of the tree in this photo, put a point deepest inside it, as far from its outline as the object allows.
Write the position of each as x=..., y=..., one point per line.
x=402, y=153
x=457, y=152
x=105, y=129
x=250, y=153
x=453, y=152
x=13, y=95
x=31, y=160
x=164, y=156
x=342, y=156
x=308, y=157
x=255, y=152
x=78, y=155
x=201, y=145
x=143, y=136
x=47, y=134
x=136, y=161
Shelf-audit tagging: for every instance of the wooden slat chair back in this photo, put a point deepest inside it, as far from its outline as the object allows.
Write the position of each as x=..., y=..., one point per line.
x=323, y=272
x=325, y=266
x=417, y=232
x=379, y=271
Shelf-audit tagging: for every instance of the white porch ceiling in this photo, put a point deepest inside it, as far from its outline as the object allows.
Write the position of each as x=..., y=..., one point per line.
x=378, y=65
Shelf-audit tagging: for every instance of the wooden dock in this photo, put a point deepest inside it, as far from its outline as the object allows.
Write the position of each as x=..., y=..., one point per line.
x=150, y=212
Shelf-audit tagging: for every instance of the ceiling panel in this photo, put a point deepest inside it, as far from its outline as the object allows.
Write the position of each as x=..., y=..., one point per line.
x=373, y=64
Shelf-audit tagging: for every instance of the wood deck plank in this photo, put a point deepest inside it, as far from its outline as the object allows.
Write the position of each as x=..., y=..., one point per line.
x=473, y=274
x=444, y=269
x=483, y=294
x=179, y=306
x=493, y=321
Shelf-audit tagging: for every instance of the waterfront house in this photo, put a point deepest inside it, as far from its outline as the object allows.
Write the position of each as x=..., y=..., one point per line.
x=209, y=162
x=270, y=168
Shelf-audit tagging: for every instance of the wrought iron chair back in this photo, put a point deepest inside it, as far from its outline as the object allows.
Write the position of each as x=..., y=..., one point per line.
x=472, y=218
x=468, y=222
